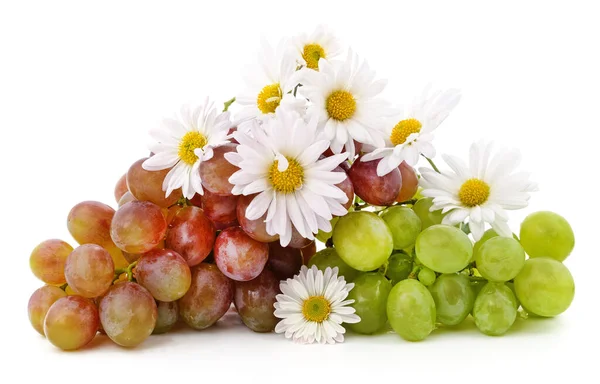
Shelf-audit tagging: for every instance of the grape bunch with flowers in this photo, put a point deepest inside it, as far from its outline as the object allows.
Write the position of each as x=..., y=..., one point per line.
x=230, y=211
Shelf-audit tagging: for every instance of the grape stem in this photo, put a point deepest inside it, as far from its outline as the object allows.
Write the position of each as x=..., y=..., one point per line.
x=228, y=103
x=431, y=163
x=64, y=286
x=415, y=271
x=128, y=271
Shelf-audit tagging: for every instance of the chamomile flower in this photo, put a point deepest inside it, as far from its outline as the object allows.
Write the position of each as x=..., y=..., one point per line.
x=313, y=306
x=481, y=191
x=280, y=162
x=269, y=84
x=410, y=132
x=344, y=97
x=309, y=49
x=183, y=143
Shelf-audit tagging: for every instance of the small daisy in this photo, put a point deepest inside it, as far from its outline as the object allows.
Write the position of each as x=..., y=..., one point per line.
x=280, y=162
x=481, y=191
x=313, y=306
x=184, y=143
x=269, y=84
x=319, y=44
x=409, y=133
x=343, y=96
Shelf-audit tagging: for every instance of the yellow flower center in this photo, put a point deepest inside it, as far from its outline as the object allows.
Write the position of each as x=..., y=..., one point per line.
x=188, y=144
x=311, y=54
x=268, y=99
x=474, y=192
x=403, y=129
x=341, y=105
x=316, y=308
x=289, y=180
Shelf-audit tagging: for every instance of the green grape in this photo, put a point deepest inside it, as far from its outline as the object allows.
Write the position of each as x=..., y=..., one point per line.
x=324, y=236
x=545, y=287
x=399, y=267
x=328, y=257
x=411, y=310
x=444, y=249
x=370, y=295
x=500, y=259
x=547, y=234
x=490, y=233
x=495, y=309
x=454, y=298
x=404, y=224
x=426, y=276
x=363, y=240
x=428, y=219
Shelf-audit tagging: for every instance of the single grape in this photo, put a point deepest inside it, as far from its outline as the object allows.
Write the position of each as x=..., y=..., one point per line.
x=370, y=295
x=218, y=208
x=126, y=198
x=128, y=314
x=444, y=249
x=500, y=259
x=363, y=240
x=239, y=256
x=454, y=298
x=426, y=276
x=297, y=240
x=428, y=218
x=400, y=265
x=191, y=234
x=254, y=301
x=285, y=262
x=404, y=224
x=48, y=259
x=308, y=252
x=547, y=234
x=148, y=185
x=411, y=310
x=328, y=257
x=221, y=225
x=89, y=270
x=215, y=173
x=347, y=187
x=410, y=183
x=208, y=298
x=138, y=227
x=373, y=189
x=71, y=322
x=164, y=273
x=545, y=287
x=89, y=223
x=167, y=316
x=256, y=229
x=40, y=301
x=121, y=188
x=495, y=309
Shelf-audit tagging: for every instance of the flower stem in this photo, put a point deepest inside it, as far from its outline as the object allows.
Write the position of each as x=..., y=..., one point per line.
x=228, y=104
x=432, y=164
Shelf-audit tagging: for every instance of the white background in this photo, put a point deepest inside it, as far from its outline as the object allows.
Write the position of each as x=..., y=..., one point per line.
x=82, y=82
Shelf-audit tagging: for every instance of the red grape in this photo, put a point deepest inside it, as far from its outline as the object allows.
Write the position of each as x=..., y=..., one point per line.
x=121, y=188
x=196, y=201
x=191, y=234
x=164, y=273
x=219, y=208
x=208, y=298
x=256, y=229
x=254, y=301
x=126, y=198
x=40, y=302
x=147, y=185
x=168, y=314
x=89, y=223
x=239, y=256
x=138, y=227
x=347, y=187
x=215, y=172
x=48, y=259
x=285, y=262
x=297, y=240
x=308, y=252
x=410, y=182
x=71, y=322
x=225, y=224
x=373, y=189
x=89, y=270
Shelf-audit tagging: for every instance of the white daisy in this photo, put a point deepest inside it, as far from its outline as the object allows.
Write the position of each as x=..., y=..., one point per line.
x=409, y=133
x=313, y=306
x=309, y=49
x=344, y=97
x=184, y=143
x=269, y=84
x=480, y=191
x=280, y=162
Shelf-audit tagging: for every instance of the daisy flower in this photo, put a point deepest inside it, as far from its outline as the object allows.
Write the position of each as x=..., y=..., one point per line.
x=309, y=49
x=409, y=133
x=269, y=84
x=481, y=191
x=313, y=306
x=344, y=97
x=280, y=162
x=185, y=142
